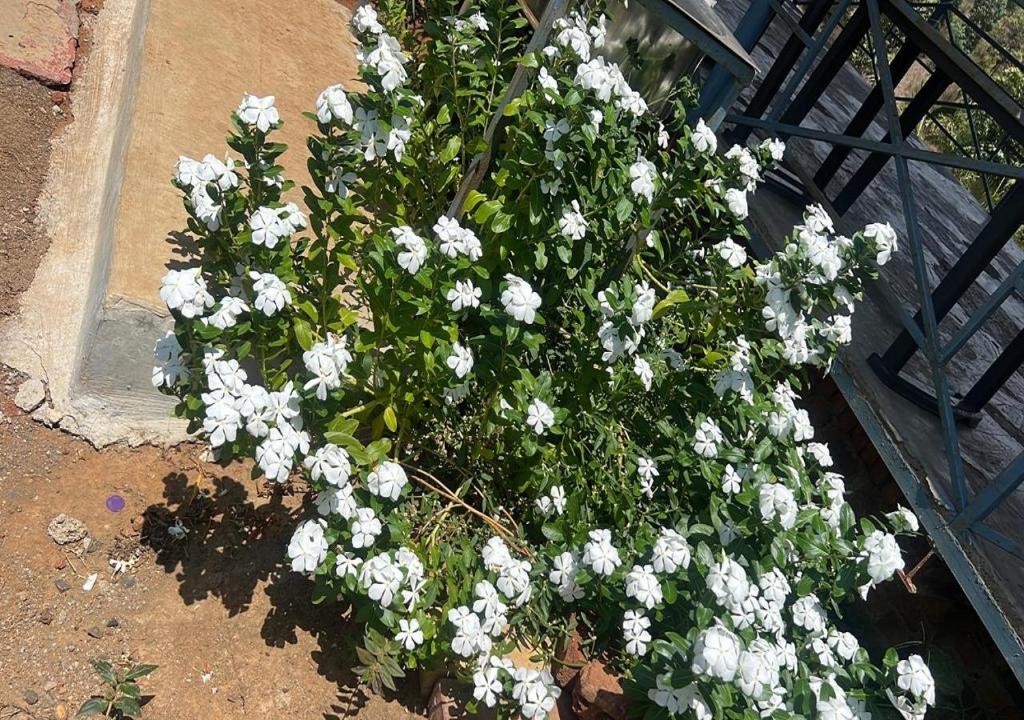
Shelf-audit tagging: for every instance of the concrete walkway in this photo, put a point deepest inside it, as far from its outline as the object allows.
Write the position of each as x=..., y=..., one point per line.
x=163, y=78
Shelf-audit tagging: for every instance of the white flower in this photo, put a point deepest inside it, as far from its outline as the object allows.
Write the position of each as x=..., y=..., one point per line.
x=387, y=480
x=558, y=499
x=365, y=20
x=415, y=249
x=572, y=223
x=563, y=576
x=820, y=453
x=731, y=481
x=227, y=313
x=914, y=676
x=365, y=528
x=519, y=299
x=643, y=306
x=339, y=182
x=185, y=291
x=707, y=438
x=663, y=137
x=703, y=138
x=461, y=360
x=727, y=580
x=737, y=202
x=337, y=501
x=600, y=554
x=883, y=556
x=470, y=638
x=885, y=240
x=539, y=416
x=308, y=548
x=327, y=362
x=634, y=632
x=716, y=653
x=381, y=578
x=554, y=130
x=258, y=111
x=495, y=555
x=903, y=520
x=642, y=174
x=387, y=60
x=647, y=470
x=409, y=634
x=808, y=614
x=169, y=368
x=347, y=564
x=775, y=147
x=486, y=686
x=271, y=293
x=267, y=227
x=221, y=424
x=671, y=552
x=464, y=295
x=732, y=252
x=332, y=104
x=844, y=643
x=536, y=693
x=455, y=239
x=546, y=81
x=643, y=586
x=777, y=501
x=642, y=369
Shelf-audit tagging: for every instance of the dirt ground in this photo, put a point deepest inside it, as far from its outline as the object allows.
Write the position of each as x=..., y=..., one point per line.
x=29, y=119
x=231, y=628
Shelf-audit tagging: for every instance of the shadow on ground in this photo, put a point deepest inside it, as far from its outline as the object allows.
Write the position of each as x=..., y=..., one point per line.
x=231, y=545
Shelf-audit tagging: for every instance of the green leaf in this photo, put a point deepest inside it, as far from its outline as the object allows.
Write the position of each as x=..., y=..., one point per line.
x=675, y=297
x=140, y=671
x=390, y=420
x=128, y=706
x=303, y=333
x=552, y=533
x=92, y=706
x=451, y=149
x=105, y=670
x=444, y=115
x=486, y=210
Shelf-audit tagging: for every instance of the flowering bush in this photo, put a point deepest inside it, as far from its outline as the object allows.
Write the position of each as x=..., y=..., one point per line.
x=571, y=402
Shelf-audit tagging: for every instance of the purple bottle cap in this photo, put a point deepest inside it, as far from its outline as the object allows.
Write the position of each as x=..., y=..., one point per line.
x=115, y=503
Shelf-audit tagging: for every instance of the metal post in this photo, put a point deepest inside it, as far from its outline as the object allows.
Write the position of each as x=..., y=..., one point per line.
x=913, y=114
x=1006, y=218
x=997, y=374
x=831, y=63
x=748, y=33
x=781, y=66
x=982, y=504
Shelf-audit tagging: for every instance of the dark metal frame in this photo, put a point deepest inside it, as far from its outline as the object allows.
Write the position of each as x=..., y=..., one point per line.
x=821, y=41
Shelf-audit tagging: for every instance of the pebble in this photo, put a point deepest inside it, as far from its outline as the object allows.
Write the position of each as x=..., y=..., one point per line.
x=64, y=529
x=31, y=395
x=127, y=581
x=46, y=616
x=92, y=545
x=60, y=712
x=31, y=697
x=62, y=584
x=95, y=632
x=113, y=623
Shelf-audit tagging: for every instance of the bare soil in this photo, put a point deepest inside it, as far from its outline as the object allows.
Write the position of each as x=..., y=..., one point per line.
x=27, y=122
x=232, y=629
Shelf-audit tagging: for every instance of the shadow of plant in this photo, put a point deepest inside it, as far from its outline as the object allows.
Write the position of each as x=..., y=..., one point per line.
x=233, y=540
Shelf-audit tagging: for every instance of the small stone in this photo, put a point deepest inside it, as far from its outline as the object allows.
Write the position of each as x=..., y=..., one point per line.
x=598, y=693
x=62, y=584
x=95, y=632
x=50, y=685
x=92, y=545
x=46, y=616
x=65, y=529
x=31, y=697
x=113, y=623
x=31, y=395
x=60, y=712
x=127, y=581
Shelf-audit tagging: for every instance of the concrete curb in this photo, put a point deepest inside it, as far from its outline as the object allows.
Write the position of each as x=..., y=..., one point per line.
x=62, y=312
